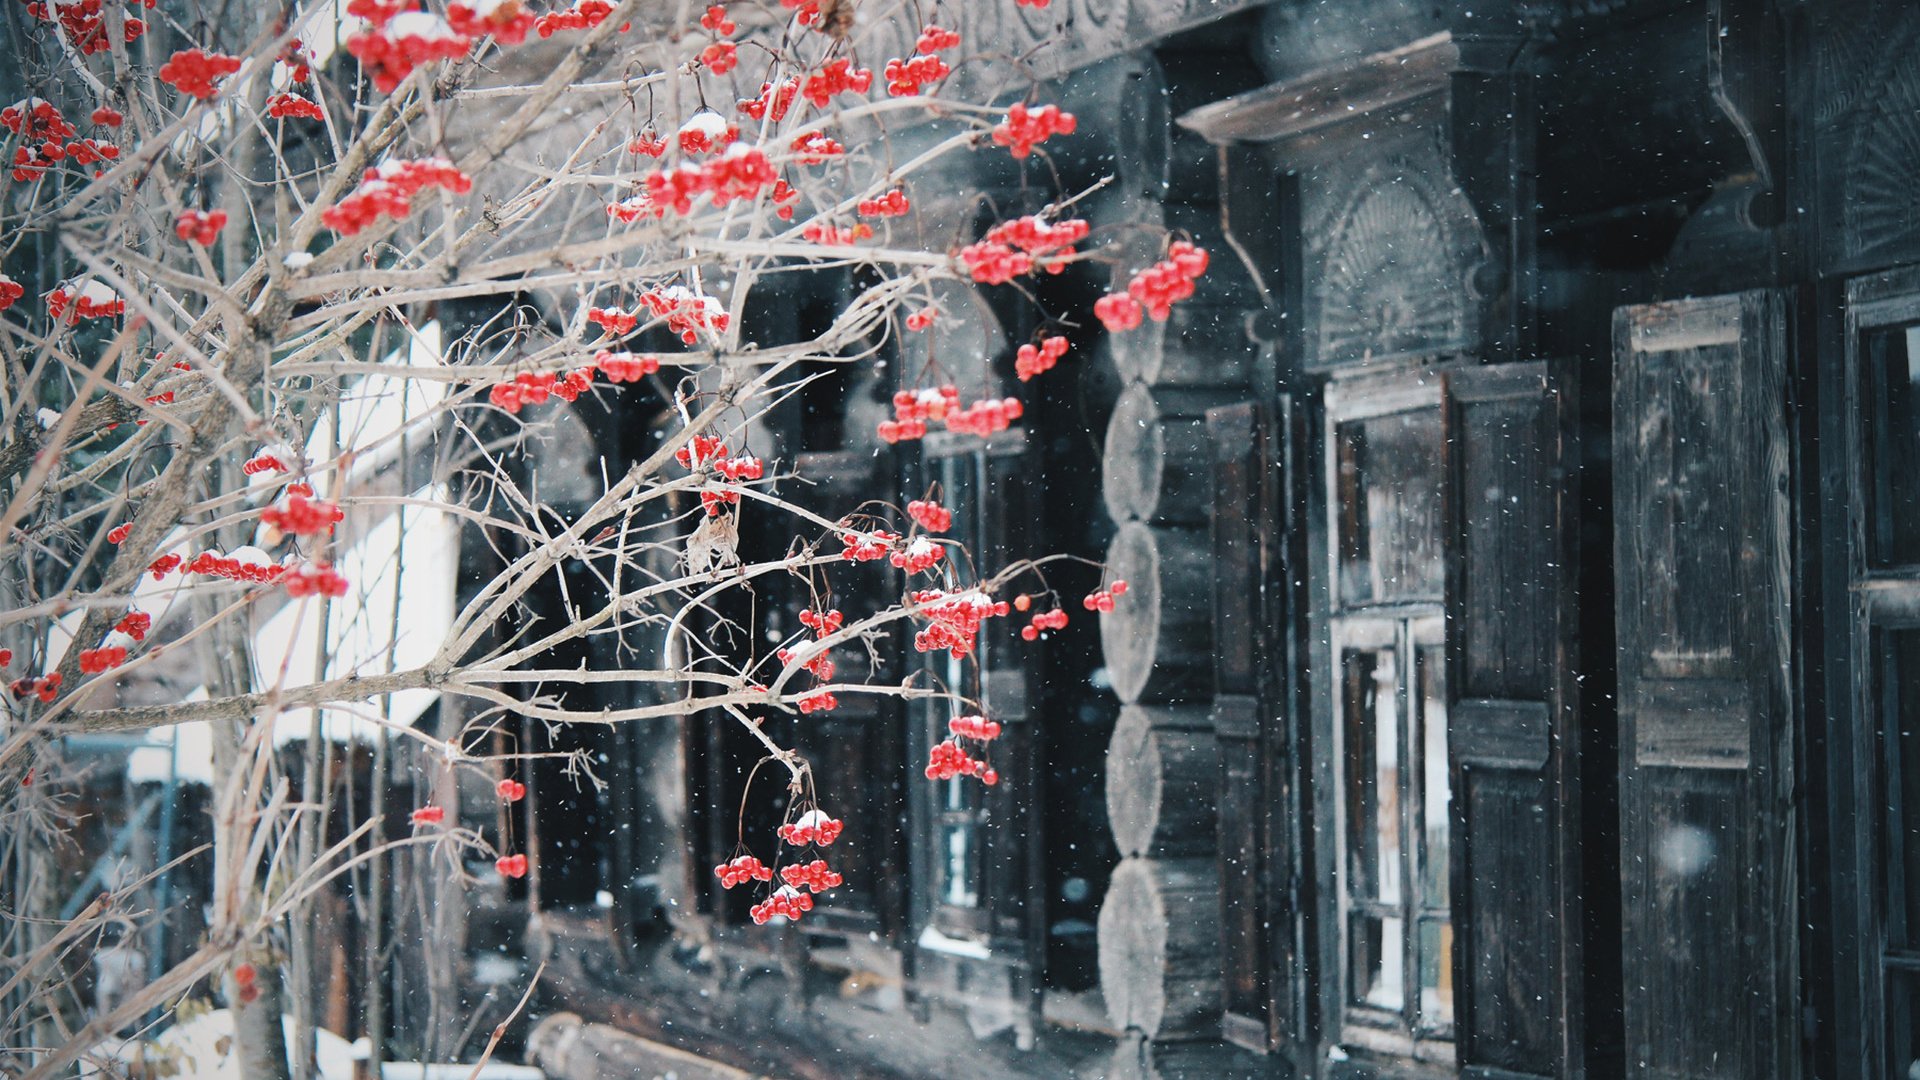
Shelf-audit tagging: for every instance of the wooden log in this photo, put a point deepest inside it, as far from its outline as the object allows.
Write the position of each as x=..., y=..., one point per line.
x=1154, y=466
x=1162, y=788
x=1158, y=639
x=1201, y=344
x=1160, y=947
x=568, y=1048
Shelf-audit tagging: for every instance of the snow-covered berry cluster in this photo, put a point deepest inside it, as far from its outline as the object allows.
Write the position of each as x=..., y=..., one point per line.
x=388, y=190
x=85, y=23
x=866, y=547
x=583, y=15
x=687, y=313
x=813, y=827
x=787, y=902
x=1025, y=128
x=740, y=173
x=953, y=619
x=302, y=515
x=625, y=367
x=706, y=132
x=286, y=104
x=918, y=556
x=194, y=71
x=930, y=515
x=741, y=869
x=508, y=21
x=84, y=299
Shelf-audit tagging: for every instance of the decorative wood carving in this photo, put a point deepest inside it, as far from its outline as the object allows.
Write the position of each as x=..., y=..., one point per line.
x=1867, y=134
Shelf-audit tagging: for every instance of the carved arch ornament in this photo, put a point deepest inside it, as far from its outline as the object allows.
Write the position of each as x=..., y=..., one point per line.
x=1397, y=274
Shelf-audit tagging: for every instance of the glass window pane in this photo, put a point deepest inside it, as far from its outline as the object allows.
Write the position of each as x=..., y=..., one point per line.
x=1898, y=675
x=1388, y=486
x=1378, y=958
x=1373, y=774
x=1891, y=403
x=1436, y=796
x=1436, y=974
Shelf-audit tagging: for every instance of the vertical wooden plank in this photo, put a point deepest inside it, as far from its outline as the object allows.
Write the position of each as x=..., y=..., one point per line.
x=1700, y=542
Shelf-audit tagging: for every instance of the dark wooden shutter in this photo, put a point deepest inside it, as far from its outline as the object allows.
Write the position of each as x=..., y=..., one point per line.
x=1510, y=734
x=1262, y=949
x=1701, y=549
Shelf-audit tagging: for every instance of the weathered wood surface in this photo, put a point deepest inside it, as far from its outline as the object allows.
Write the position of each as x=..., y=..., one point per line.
x=1162, y=787
x=1200, y=345
x=568, y=1048
x=1160, y=947
x=1156, y=459
x=1159, y=638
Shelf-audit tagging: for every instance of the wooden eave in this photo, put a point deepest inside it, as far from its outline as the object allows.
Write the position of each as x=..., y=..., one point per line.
x=1328, y=96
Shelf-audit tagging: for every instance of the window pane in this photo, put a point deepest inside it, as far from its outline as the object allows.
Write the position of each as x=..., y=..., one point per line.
x=1373, y=775
x=1378, y=948
x=1388, y=500
x=1891, y=403
x=1898, y=674
x=1436, y=974
x=1436, y=797
x=957, y=884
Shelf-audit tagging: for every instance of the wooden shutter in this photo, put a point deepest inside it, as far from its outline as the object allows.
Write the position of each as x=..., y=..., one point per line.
x=1255, y=666
x=1700, y=551
x=1511, y=736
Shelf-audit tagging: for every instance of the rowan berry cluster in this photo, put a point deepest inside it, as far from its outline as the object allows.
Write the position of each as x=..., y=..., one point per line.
x=953, y=619
x=820, y=667
x=1154, y=290
x=808, y=10
x=625, y=367
x=507, y=20
x=913, y=408
x=194, y=71
x=891, y=204
x=134, y=624
x=46, y=687
x=389, y=188
x=534, y=387
x=245, y=563
x=931, y=515
x=716, y=20
x=741, y=869
x=10, y=292
x=784, y=196
x=303, y=516
x=1044, y=620
x=6, y=657
x=701, y=451
x=246, y=983
x=287, y=104
x=815, y=148
x=35, y=119
x=513, y=866
x=738, y=174
x=429, y=815
x=1030, y=360
x=986, y=416
x=613, y=320
x=909, y=76
x=720, y=57
x=510, y=790
x=947, y=761
x=741, y=468
x=978, y=728
x=813, y=827
x=391, y=50
x=1025, y=128
x=935, y=39
x=267, y=459
x=200, y=227
x=648, y=142
x=786, y=901
x=1102, y=599
x=817, y=701
x=84, y=299
x=866, y=547
x=823, y=623
x=836, y=76
x=164, y=565
x=919, y=555
x=774, y=100
x=814, y=876
x=315, y=579
x=705, y=132
x=106, y=657
x=583, y=15
x=819, y=232
x=85, y=24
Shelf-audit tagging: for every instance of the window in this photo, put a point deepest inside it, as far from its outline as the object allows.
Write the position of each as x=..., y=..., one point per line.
x=1890, y=399
x=1386, y=500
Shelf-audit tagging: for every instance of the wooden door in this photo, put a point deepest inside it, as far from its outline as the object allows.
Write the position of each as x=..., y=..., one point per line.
x=1701, y=563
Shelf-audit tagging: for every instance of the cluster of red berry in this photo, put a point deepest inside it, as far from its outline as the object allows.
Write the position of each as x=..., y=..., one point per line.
x=978, y=728
x=986, y=416
x=947, y=761
x=315, y=579
x=267, y=459
x=820, y=666
x=808, y=11
x=784, y=196
x=913, y=408
x=1044, y=620
x=285, y=104
x=633, y=208
x=953, y=619
x=935, y=39
x=738, y=174
x=705, y=132
x=819, y=232
x=716, y=21
x=817, y=701
x=194, y=71
x=613, y=320
x=534, y=387
x=813, y=827
x=84, y=23
x=302, y=516
x=46, y=687
x=507, y=20
x=703, y=450
x=388, y=188
x=1018, y=247
x=741, y=869
x=513, y=866
x=786, y=902
x=918, y=556
x=246, y=563
x=737, y=470
x=510, y=790
x=920, y=320
x=836, y=76
x=866, y=547
x=94, y=661
x=648, y=142
x=583, y=15
x=931, y=515
x=823, y=623
x=10, y=292
x=814, y=876
x=394, y=46
x=892, y=204
x=164, y=565
x=720, y=57
x=1025, y=128
x=905, y=77
x=246, y=983
x=429, y=815
x=134, y=624
x=83, y=299
x=1102, y=599
x=625, y=367
x=1154, y=290
x=36, y=119
x=1031, y=360
x=687, y=313
x=773, y=101
x=815, y=148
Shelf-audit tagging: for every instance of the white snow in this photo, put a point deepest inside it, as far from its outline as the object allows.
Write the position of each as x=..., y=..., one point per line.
x=297, y=260
x=203, y=1048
